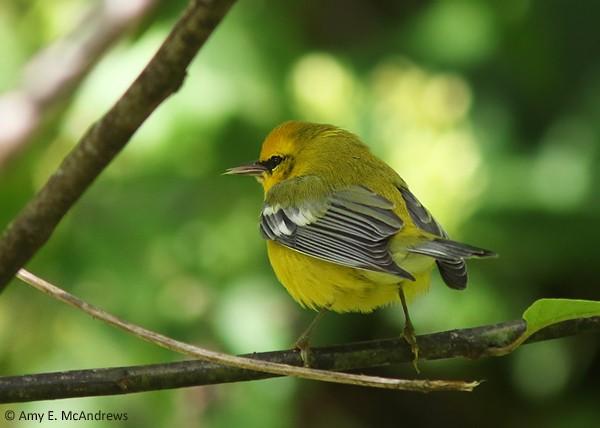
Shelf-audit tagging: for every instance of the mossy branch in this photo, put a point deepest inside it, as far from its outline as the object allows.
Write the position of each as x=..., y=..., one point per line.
x=465, y=343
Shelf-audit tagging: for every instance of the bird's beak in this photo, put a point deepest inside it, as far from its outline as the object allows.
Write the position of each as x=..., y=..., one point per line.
x=250, y=168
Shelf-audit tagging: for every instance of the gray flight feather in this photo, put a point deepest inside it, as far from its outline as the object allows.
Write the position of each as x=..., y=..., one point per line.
x=352, y=229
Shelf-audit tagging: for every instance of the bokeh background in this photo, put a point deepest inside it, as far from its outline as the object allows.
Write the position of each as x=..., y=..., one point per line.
x=489, y=110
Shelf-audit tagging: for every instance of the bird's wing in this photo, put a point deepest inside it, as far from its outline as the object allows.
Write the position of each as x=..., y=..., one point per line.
x=449, y=254
x=350, y=227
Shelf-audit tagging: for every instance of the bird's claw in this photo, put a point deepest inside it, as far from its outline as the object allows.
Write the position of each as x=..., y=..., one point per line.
x=303, y=346
x=408, y=333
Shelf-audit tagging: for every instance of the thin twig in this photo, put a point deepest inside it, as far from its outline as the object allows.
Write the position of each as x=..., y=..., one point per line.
x=242, y=362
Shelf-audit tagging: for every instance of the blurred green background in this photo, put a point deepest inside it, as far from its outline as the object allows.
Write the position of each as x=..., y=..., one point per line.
x=489, y=110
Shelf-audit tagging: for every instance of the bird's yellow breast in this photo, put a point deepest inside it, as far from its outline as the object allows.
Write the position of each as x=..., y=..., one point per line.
x=317, y=283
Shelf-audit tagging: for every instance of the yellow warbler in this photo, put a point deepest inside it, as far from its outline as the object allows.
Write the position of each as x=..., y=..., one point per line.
x=343, y=231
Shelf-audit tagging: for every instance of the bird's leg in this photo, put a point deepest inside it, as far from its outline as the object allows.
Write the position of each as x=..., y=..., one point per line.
x=409, y=332
x=302, y=343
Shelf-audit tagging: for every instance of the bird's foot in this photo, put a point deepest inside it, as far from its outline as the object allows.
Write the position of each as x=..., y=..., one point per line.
x=303, y=346
x=408, y=333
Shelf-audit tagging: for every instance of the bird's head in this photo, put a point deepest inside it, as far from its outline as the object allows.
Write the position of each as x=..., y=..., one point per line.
x=284, y=153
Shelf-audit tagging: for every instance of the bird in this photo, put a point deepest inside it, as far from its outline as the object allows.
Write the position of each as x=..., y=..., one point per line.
x=344, y=233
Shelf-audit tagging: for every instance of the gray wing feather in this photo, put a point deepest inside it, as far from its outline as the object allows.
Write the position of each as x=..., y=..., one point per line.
x=420, y=215
x=353, y=229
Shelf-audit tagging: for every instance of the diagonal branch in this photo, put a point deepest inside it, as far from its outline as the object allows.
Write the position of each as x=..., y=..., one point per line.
x=241, y=362
x=469, y=343
x=164, y=75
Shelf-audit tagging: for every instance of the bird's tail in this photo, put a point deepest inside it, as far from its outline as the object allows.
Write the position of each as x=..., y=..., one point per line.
x=450, y=257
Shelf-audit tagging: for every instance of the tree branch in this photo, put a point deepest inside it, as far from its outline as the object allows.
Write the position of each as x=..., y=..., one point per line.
x=241, y=362
x=220, y=368
x=468, y=343
x=163, y=76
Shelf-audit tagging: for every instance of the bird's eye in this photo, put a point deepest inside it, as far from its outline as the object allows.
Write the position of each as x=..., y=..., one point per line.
x=272, y=162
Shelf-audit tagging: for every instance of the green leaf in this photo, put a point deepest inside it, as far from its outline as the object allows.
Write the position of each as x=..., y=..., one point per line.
x=545, y=312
